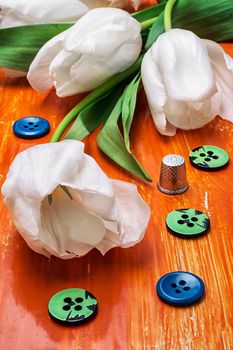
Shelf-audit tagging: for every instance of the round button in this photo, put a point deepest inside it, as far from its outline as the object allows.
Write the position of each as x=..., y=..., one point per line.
x=188, y=223
x=208, y=158
x=180, y=288
x=72, y=306
x=31, y=127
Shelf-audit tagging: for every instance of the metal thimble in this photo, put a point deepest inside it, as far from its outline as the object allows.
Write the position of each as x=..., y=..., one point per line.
x=173, y=175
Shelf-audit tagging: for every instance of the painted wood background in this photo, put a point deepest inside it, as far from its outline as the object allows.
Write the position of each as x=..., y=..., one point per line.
x=130, y=316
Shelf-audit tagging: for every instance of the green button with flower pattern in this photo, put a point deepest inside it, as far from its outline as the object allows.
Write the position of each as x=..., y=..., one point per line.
x=188, y=223
x=72, y=306
x=208, y=158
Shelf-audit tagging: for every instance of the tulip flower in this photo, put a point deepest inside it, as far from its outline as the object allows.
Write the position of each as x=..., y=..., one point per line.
x=15, y=13
x=102, y=43
x=63, y=204
x=188, y=81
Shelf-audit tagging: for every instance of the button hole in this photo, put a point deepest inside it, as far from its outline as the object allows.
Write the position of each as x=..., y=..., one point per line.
x=180, y=222
x=184, y=216
x=186, y=288
x=66, y=307
x=182, y=282
x=78, y=307
x=194, y=219
x=174, y=285
x=79, y=300
x=67, y=300
x=178, y=291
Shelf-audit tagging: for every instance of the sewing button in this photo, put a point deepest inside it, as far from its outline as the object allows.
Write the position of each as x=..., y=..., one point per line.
x=180, y=288
x=188, y=223
x=72, y=306
x=31, y=127
x=208, y=158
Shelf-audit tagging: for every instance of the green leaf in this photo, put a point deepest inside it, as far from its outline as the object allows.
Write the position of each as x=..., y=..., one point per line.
x=111, y=142
x=19, y=45
x=208, y=19
x=93, y=115
x=148, y=13
x=128, y=107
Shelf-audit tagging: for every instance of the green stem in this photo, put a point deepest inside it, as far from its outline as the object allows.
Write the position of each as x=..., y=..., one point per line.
x=168, y=14
x=93, y=96
x=147, y=24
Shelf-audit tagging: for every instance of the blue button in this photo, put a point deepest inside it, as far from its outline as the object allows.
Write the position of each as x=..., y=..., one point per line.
x=31, y=127
x=180, y=288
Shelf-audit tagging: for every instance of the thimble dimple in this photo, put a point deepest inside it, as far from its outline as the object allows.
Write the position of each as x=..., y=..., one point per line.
x=173, y=175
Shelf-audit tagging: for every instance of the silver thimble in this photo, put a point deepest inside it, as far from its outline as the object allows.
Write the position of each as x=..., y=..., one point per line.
x=173, y=175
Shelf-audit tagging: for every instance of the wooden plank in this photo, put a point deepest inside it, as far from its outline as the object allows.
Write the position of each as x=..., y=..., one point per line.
x=130, y=316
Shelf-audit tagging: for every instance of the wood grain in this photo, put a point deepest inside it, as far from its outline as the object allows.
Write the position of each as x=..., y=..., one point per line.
x=130, y=316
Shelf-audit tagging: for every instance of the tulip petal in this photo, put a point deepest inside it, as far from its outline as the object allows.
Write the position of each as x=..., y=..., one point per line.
x=223, y=68
x=156, y=94
x=184, y=65
x=192, y=115
x=17, y=13
x=58, y=229
x=38, y=74
x=180, y=83
x=133, y=217
x=87, y=210
x=98, y=40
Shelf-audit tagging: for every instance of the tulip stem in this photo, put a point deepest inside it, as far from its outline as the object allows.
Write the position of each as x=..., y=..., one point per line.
x=93, y=96
x=147, y=24
x=168, y=14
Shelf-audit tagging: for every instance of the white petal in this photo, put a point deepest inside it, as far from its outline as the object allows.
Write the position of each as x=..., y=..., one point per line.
x=38, y=74
x=223, y=69
x=133, y=218
x=97, y=212
x=67, y=225
x=156, y=94
x=184, y=66
x=192, y=115
x=17, y=13
x=101, y=31
x=88, y=53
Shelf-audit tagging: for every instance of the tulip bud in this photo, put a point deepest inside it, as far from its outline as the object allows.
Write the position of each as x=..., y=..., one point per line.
x=102, y=43
x=188, y=81
x=63, y=204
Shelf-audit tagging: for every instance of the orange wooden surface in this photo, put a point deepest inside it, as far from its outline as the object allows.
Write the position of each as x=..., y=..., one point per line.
x=130, y=316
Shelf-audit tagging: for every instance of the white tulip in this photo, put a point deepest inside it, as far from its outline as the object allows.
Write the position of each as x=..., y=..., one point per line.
x=95, y=212
x=15, y=13
x=102, y=43
x=188, y=81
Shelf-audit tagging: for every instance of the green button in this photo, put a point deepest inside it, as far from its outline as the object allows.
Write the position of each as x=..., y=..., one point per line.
x=72, y=306
x=188, y=223
x=208, y=158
